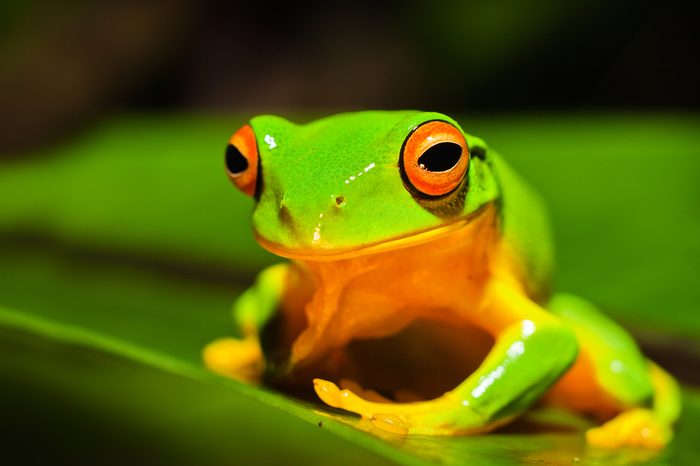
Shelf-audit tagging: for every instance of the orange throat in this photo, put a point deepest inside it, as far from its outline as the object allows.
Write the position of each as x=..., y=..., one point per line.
x=334, y=304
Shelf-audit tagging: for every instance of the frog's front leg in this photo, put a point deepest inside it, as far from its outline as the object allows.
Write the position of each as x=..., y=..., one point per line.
x=531, y=352
x=242, y=358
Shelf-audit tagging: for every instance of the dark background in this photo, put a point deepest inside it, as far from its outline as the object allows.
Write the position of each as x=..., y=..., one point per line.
x=67, y=64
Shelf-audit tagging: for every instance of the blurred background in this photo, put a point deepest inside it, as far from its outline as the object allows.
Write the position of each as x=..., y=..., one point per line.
x=67, y=64
x=123, y=245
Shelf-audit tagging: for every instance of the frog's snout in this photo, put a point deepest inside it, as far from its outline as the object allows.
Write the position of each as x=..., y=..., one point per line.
x=307, y=226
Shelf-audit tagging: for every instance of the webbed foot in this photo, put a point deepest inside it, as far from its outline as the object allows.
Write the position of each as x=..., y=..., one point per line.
x=635, y=428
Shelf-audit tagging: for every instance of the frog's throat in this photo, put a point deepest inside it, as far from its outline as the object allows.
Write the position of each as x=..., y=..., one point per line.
x=390, y=244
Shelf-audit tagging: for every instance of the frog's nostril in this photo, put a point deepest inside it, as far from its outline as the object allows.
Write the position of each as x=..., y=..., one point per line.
x=285, y=216
x=340, y=201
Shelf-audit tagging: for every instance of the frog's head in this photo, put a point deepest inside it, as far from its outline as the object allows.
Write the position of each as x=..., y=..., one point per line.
x=358, y=182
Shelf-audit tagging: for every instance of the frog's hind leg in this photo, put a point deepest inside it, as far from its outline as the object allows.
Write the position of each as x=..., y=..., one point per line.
x=612, y=379
x=242, y=358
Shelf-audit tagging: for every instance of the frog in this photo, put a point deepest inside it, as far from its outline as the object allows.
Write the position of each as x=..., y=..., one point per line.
x=417, y=291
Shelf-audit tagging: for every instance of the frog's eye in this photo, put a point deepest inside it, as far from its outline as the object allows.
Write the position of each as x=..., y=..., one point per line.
x=434, y=158
x=242, y=160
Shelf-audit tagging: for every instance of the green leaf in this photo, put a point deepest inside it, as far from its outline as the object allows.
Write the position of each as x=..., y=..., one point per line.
x=120, y=254
x=73, y=405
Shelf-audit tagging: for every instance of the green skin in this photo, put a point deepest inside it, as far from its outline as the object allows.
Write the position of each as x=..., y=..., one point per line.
x=304, y=171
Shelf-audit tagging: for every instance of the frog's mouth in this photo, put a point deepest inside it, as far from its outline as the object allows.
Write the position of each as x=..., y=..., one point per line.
x=421, y=362
x=398, y=242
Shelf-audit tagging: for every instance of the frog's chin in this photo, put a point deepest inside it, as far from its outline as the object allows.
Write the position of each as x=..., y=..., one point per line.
x=326, y=254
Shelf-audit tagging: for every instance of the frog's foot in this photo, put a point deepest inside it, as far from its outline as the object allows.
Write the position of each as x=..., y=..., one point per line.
x=386, y=419
x=425, y=417
x=636, y=428
x=239, y=359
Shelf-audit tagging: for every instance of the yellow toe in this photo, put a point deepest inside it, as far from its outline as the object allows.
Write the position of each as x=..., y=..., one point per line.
x=635, y=428
x=328, y=392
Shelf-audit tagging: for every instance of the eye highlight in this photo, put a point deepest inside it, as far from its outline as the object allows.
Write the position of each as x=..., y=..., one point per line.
x=242, y=160
x=434, y=158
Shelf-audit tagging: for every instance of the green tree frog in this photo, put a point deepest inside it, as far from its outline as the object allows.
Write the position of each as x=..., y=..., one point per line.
x=417, y=291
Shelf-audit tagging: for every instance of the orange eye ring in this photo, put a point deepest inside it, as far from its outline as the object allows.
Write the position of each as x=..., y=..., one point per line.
x=434, y=158
x=242, y=160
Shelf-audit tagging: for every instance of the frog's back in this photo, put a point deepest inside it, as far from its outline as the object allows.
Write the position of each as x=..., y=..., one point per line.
x=525, y=228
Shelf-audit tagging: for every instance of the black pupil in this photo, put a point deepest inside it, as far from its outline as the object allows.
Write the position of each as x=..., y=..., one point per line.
x=440, y=157
x=235, y=162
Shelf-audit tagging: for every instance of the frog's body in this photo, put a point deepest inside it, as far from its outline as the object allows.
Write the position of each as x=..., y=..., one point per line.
x=374, y=257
